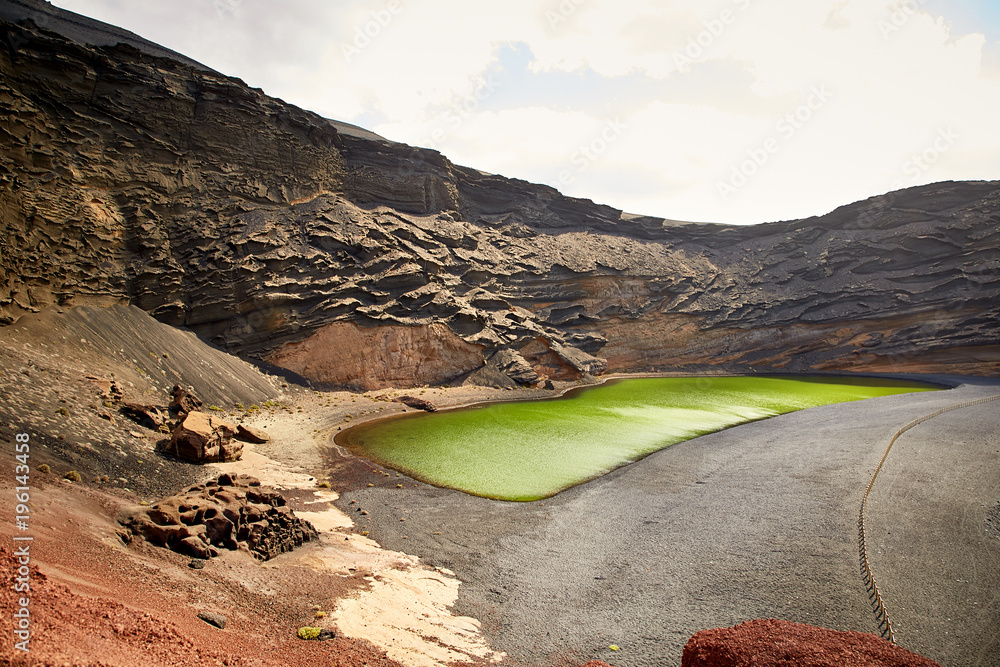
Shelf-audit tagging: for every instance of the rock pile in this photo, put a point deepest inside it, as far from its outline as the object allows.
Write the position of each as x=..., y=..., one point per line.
x=195, y=436
x=772, y=643
x=233, y=512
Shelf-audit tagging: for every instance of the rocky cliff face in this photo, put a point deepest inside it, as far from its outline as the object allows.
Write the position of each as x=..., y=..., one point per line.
x=127, y=176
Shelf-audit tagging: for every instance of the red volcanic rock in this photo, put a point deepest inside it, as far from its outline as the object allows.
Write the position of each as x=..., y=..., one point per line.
x=772, y=643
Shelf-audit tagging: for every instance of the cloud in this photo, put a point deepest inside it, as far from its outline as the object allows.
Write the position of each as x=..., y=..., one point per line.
x=519, y=87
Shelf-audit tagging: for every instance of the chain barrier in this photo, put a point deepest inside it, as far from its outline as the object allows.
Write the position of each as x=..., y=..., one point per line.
x=874, y=595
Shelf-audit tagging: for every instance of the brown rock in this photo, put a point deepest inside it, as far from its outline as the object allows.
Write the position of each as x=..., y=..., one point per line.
x=108, y=390
x=149, y=416
x=195, y=546
x=773, y=643
x=213, y=618
x=202, y=438
x=233, y=512
x=370, y=358
x=182, y=401
x=251, y=434
x=418, y=403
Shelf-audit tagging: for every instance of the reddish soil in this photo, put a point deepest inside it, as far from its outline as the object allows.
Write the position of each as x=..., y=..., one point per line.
x=771, y=643
x=96, y=602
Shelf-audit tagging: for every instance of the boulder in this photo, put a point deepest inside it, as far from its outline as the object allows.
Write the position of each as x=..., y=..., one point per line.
x=197, y=547
x=108, y=390
x=773, y=643
x=514, y=366
x=417, y=403
x=251, y=435
x=490, y=376
x=182, y=401
x=202, y=438
x=213, y=618
x=149, y=416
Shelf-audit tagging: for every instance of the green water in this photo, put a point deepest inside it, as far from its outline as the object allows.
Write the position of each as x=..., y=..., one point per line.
x=533, y=449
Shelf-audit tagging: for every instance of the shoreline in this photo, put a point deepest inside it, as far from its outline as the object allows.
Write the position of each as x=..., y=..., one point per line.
x=399, y=559
x=345, y=449
x=515, y=556
x=942, y=381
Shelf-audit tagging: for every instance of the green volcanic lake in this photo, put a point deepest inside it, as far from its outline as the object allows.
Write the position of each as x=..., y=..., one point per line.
x=530, y=450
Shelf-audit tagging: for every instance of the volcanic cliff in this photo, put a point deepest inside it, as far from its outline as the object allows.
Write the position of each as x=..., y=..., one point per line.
x=130, y=175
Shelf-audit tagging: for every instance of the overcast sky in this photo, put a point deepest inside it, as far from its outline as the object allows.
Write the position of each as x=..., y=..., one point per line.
x=710, y=110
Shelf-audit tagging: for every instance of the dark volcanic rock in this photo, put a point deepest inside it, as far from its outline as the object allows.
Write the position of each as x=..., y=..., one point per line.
x=514, y=366
x=150, y=416
x=232, y=512
x=490, y=376
x=182, y=401
x=130, y=176
x=417, y=403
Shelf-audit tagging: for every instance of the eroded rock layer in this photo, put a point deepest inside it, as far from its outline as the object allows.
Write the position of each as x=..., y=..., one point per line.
x=127, y=176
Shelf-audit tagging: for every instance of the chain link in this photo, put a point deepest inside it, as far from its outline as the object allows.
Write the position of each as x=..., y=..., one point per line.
x=874, y=595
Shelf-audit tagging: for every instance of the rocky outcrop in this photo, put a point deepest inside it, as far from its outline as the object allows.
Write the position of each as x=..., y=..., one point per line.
x=771, y=643
x=232, y=512
x=367, y=358
x=202, y=438
x=128, y=176
x=150, y=416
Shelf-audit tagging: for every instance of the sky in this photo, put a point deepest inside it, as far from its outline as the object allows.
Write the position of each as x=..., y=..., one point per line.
x=736, y=111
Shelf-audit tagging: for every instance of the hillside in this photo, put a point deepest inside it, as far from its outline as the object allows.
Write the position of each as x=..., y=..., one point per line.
x=166, y=225
x=132, y=177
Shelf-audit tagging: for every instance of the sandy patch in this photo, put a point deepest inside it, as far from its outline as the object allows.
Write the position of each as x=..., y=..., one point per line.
x=407, y=614
x=406, y=609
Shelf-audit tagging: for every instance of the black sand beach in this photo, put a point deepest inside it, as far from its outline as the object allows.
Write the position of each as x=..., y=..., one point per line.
x=753, y=522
